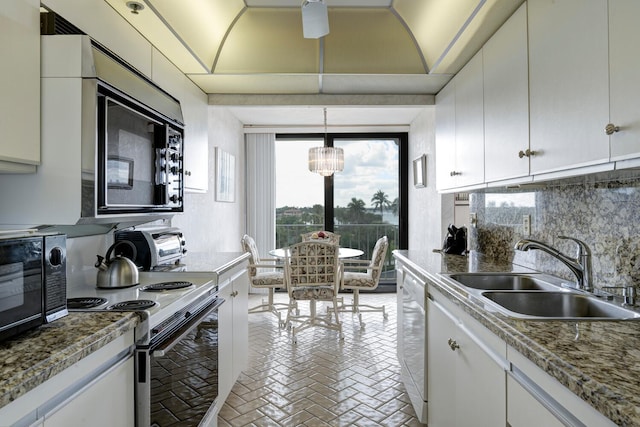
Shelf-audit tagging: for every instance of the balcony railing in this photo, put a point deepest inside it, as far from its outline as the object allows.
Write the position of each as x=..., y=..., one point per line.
x=358, y=236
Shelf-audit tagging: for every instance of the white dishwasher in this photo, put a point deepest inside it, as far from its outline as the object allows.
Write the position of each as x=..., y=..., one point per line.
x=412, y=337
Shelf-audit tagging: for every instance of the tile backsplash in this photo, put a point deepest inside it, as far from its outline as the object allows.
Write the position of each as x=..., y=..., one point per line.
x=603, y=210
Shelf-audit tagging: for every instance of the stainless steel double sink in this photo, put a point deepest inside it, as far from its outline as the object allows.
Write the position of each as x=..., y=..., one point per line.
x=538, y=297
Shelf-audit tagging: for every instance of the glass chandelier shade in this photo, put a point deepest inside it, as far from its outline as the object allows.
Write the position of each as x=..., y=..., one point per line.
x=326, y=160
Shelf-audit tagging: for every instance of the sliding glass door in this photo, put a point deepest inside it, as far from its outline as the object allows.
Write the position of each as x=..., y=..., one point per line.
x=365, y=201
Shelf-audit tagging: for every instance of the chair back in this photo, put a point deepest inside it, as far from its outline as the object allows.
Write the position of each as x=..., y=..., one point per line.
x=377, y=258
x=312, y=263
x=329, y=237
x=249, y=245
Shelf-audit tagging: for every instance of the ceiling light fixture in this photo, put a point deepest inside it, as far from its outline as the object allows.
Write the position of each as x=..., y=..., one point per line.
x=135, y=7
x=326, y=160
x=315, y=19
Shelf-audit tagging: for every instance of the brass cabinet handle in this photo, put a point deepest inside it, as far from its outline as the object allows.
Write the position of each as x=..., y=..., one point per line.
x=610, y=129
x=526, y=153
x=453, y=345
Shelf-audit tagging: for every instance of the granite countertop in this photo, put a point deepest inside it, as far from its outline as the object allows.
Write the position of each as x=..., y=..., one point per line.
x=599, y=361
x=31, y=358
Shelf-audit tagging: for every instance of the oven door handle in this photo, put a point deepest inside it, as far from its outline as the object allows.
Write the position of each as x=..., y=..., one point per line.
x=186, y=329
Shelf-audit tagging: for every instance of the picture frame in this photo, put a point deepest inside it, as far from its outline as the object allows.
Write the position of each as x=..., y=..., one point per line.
x=225, y=176
x=120, y=173
x=420, y=171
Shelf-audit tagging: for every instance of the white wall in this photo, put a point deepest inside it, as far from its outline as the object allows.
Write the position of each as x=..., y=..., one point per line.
x=429, y=212
x=208, y=225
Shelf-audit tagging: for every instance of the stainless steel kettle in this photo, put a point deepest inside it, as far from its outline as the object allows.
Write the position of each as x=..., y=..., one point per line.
x=117, y=272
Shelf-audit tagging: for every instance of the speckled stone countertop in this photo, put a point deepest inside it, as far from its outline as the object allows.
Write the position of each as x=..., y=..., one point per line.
x=599, y=361
x=33, y=357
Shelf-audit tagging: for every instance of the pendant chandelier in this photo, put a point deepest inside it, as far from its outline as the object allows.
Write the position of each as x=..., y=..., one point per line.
x=326, y=160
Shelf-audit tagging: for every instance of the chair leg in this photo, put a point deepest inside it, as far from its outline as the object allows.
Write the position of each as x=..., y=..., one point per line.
x=270, y=306
x=356, y=307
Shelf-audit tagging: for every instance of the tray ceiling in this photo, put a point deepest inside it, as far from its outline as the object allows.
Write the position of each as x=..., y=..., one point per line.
x=374, y=47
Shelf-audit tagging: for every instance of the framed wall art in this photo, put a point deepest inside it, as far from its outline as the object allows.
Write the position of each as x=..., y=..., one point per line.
x=225, y=176
x=420, y=171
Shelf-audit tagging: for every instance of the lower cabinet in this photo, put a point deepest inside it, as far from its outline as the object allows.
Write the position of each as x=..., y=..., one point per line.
x=537, y=399
x=96, y=391
x=466, y=383
x=523, y=410
x=233, y=329
x=108, y=401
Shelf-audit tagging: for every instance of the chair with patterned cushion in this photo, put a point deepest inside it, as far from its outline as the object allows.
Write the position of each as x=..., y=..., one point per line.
x=264, y=273
x=360, y=274
x=327, y=236
x=312, y=273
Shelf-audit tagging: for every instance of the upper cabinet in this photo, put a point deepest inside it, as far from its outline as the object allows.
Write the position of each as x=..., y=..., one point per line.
x=568, y=83
x=560, y=97
x=506, y=100
x=624, y=63
x=460, y=129
x=20, y=86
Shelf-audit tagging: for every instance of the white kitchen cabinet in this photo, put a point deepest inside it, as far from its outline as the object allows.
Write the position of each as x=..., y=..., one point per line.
x=624, y=63
x=537, y=399
x=107, y=401
x=446, y=136
x=524, y=410
x=568, y=83
x=233, y=328
x=20, y=86
x=467, y=367
x=506, y=100
x=469, y=168
x=98, y=390
x=460, y=154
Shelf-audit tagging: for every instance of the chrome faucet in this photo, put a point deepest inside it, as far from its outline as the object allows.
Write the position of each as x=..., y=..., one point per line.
x=580, y=266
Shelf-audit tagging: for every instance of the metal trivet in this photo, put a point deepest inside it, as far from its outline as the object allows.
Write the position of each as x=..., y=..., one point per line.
x=85, y=302
x=166, y=286
x=133, y=305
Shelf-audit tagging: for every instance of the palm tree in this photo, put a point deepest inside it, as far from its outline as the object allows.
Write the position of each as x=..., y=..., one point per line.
x=356, y=208
x=380, y=200
x=394, y=206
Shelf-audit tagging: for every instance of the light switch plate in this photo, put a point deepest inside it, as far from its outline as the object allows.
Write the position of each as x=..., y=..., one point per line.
x=526, y=225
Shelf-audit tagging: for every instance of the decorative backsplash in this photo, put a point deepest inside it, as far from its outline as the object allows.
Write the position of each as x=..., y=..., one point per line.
x=603, y=210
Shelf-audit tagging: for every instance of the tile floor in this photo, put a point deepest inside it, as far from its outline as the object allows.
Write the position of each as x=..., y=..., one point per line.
x=321, y=381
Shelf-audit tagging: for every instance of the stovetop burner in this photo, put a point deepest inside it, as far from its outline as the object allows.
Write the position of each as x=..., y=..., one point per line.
x=166, y=286
x=133, y=305
x=85, y=302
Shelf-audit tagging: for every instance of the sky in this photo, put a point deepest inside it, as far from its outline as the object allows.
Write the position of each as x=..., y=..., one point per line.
x=369, y=166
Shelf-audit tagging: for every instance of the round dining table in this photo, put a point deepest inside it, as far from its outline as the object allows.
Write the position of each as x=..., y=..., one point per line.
x=342, y=252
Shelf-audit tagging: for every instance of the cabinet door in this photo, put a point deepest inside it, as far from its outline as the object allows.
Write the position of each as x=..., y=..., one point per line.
x=225, y=341
x=107, y=402
x=624, y=63
x=469, y=120
x=20, y=85
x=441, y=365
x=506, y=100
x=523, y=410
x=240, y=322
x=446, y=136
x=480, y=386
x=569, y=83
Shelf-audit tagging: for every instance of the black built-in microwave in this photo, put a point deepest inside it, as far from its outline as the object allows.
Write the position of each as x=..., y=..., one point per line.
x=140, y=157
x=33, y=282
